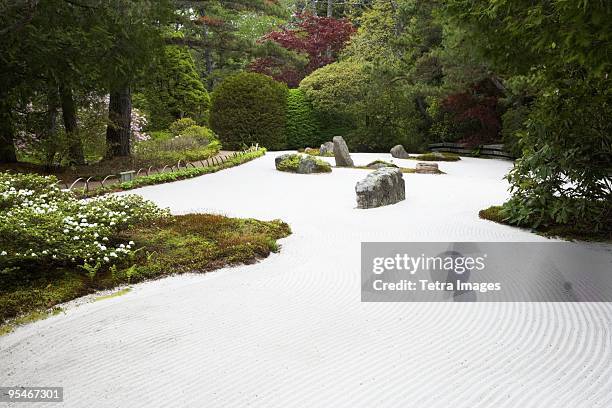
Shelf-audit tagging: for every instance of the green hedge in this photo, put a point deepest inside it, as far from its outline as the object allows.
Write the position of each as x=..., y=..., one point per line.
x=302, y=129
x=249, y=108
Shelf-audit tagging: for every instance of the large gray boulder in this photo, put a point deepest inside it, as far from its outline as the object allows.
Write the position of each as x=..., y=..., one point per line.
x=341, y=153
x=384, y=186
x=398, y=152
x=326, y=148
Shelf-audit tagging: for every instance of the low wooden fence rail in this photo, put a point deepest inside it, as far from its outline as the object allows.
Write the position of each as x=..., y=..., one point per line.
x=88, y=184
x=491, y=150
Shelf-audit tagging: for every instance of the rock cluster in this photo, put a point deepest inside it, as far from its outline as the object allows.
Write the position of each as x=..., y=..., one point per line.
x=384, y=186
x=302, y=164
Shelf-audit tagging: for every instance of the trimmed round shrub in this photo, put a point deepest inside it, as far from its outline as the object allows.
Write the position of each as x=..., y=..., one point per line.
x=302, y=127
x=249, y=108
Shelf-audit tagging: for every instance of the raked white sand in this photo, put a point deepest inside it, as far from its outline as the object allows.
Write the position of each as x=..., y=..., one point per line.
x=291, y=331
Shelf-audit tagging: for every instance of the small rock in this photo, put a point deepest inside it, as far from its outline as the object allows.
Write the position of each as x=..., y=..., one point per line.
x=427, y=168
x=384, y=186
x=341, y=153
x=326, y=148
x=398, y=152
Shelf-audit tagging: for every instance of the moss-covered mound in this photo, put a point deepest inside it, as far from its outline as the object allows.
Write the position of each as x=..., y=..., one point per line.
x=376, y=164
x=302, y=164
x=437, y=156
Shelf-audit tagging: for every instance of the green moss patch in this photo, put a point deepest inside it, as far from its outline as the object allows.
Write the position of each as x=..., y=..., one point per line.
x=380, y=163
x=437, y=156
x=178, y=244
x=113, y=295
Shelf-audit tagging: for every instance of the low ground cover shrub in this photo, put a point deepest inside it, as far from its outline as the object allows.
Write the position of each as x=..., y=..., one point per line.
x=42, y=226
x=191, y=172
x=187, y=142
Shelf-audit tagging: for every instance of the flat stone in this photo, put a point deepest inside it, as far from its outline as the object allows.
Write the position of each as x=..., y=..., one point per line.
x=384, y=186
x=341, y=153
x=398, y=152
x=427, y=168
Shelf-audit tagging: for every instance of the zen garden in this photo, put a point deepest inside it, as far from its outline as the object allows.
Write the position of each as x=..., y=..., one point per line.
x=185, y=187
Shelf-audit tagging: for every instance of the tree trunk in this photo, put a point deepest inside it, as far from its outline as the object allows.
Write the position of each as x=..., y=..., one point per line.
x=330, y=13
x=51, y=130
x=118, y=130
x=7, y=133
x=75, y=146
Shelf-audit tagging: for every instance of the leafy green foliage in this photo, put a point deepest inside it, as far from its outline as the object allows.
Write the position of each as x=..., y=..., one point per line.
x=178, y=126
x=337, y=94
x=160, y=152
x=301, y=127
x=249, y=108
x=563, y=49
x=564, y=174
x=513, y=123
x=173, y=89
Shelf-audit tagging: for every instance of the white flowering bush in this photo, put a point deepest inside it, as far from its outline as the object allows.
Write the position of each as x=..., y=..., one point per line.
x=43, y=225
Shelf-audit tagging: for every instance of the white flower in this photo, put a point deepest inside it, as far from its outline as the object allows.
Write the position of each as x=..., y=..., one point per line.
x=3, y=253
x=106, y=259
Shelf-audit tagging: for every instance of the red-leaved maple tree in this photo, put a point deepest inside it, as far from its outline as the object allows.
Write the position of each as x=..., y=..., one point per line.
x=475, y=113
x=319, y=38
